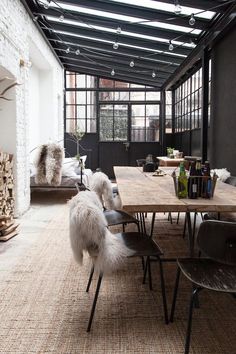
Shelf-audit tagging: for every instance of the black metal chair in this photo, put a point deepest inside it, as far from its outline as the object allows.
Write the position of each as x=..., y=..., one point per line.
x=217, y=241
x=114, y=217
x=143, y=246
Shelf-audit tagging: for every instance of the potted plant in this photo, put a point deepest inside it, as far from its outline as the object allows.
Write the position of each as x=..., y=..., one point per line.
x=77, y=135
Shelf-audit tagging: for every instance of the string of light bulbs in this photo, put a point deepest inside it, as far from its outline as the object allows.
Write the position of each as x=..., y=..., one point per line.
x=177, y=10
x=115, y=44
x=78, y=51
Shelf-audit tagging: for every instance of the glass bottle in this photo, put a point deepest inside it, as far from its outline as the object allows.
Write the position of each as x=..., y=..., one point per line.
x=199, y=177
x=182, y=182
x=206, y=181
x=192, y=181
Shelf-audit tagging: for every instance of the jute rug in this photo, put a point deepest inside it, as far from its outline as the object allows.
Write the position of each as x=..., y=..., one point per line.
x=44, y=307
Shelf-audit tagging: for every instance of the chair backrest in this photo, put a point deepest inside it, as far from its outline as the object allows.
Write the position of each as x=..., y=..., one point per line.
x=231, y=180
x=217, y=240
x=140, y=162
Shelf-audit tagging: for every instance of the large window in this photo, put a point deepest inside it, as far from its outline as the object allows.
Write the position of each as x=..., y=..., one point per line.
x=188, y=103
x=127, y=112
x=168, y=120
x=81, y=108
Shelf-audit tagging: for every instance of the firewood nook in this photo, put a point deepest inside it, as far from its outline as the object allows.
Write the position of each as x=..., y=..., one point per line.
x=8, y=228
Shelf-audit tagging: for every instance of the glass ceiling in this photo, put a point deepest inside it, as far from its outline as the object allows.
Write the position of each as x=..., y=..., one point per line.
x=158, y=5
x=127, y=37
x=124, y=18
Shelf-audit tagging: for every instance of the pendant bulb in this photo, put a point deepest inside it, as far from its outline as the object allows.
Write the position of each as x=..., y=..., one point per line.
x=118, y=30
x=115, y=45
x=178, y=8
x=192, y=20
x=131, y=64
x=77, y=52
x=171, y=47
x=68, y=50
x=61, y=18
x=47, y=4
x=112, y=72
x=153, y=74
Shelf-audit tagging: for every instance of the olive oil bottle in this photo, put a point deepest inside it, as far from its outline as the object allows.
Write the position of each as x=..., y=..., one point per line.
x=182, y=182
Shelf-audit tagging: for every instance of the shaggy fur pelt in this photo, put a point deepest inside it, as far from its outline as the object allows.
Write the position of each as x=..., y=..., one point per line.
x=48, y=164
x=222, y=173
x=100, y=183
x=89, y=232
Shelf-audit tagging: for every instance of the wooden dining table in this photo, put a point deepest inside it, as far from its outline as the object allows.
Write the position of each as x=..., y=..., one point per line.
x=142, y=192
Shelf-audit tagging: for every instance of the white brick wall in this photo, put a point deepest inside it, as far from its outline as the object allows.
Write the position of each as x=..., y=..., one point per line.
x=17, y=30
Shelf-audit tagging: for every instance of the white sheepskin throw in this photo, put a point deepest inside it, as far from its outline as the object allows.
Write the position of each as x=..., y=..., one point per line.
x=222, y=173
x=89, y=232
x=100, y=183
x=48, y=164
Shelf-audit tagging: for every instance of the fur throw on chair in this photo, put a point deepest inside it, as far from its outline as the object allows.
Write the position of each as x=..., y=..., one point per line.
x=89, y=232
x=100, y=183
x=48, y=164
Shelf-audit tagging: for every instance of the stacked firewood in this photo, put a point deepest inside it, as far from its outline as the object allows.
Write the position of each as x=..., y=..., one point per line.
x=7, y=225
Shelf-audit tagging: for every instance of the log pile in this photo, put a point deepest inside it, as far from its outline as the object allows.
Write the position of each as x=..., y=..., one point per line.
x=8, y=228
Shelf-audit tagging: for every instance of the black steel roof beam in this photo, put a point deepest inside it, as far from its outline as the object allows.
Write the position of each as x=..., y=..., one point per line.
x=95, y=72
x=135, y=11
x=133, y=41
x=105, y=48
x=110, y=61
x=117, y=67
x=198, y=4
x=217, y=31
x=112, y=24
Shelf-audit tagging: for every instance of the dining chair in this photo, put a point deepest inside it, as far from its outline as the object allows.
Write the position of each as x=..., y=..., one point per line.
x=216, y=271
x=107, y=251
x=102, y=186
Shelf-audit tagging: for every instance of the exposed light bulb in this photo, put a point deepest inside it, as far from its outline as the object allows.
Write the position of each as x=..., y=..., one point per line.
x=61, y=18
x=131, y=64
x=47, y=4
x=171, y=47
x=68, y=50
x=178, y=8
x=118, y=30
x=153, y=74
x=77, y=52
x=192, y=20
x=115, y=45
x=35, y=19
x=112, y=72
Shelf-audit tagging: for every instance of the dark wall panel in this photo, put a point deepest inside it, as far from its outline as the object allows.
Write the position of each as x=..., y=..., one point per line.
x=223, y=118
x=196, y=142
x=88, y=146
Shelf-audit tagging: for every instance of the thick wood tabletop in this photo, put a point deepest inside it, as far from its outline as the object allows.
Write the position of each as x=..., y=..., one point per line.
x=166, y=161
x=142, y=192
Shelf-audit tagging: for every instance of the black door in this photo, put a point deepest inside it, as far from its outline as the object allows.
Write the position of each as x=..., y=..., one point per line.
x=127, y=131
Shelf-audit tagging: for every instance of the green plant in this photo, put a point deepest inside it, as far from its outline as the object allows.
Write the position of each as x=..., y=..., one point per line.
x=78, y=134
x=170, y=150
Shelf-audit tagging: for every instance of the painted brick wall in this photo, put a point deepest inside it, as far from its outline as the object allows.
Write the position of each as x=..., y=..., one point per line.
x=17, y=30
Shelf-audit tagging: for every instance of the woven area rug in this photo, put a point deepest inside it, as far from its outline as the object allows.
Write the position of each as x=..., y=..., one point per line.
x=44, y=307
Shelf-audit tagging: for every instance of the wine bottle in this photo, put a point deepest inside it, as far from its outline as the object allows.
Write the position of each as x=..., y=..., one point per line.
x=192, y=181
x=206, y=181
x=199, y=177
x=182, y=182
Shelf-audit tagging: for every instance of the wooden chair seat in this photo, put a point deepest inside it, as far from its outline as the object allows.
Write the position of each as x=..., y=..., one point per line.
x=209, y=274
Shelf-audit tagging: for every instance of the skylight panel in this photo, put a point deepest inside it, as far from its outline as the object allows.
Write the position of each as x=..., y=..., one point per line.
x=123, y=18
x=158, y=5
x=120, y=44
x=125, y=33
